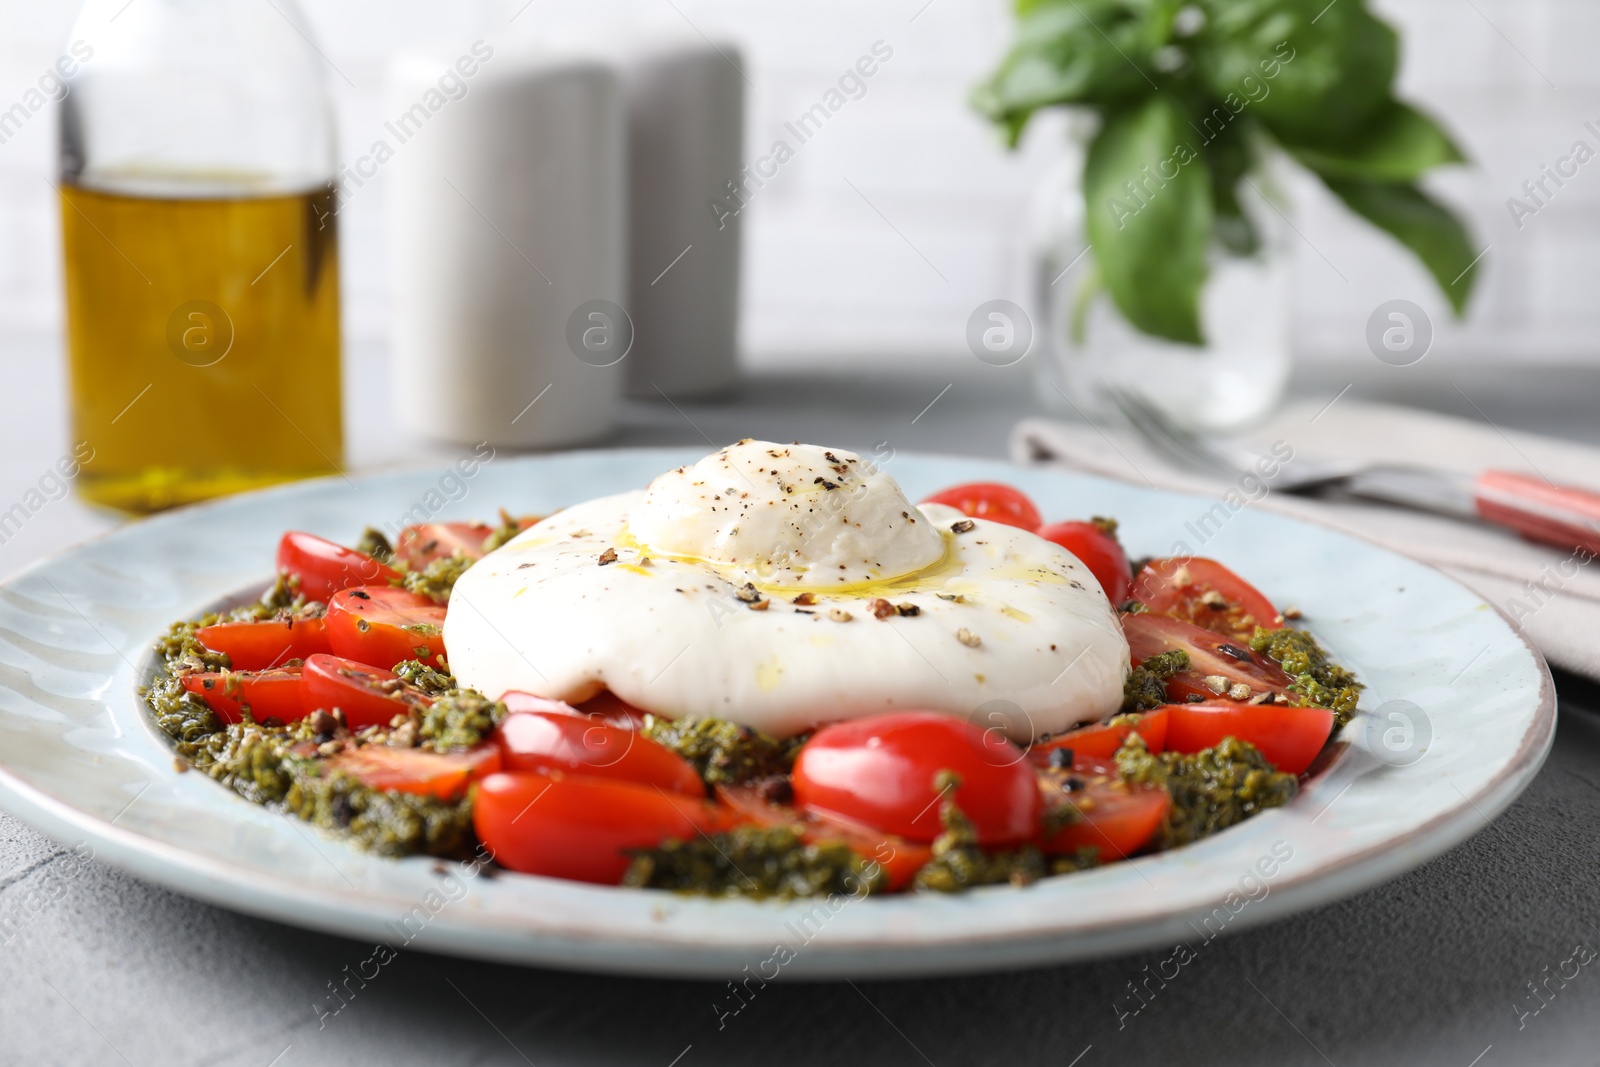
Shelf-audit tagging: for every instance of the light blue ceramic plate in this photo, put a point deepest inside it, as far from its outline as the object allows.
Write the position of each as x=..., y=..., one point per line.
x=82, y=763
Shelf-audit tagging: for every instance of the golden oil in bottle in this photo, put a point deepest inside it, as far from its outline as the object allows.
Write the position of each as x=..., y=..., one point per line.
x=203, y=343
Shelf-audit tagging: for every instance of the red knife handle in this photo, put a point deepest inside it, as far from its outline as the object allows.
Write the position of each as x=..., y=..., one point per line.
x=1560, y=515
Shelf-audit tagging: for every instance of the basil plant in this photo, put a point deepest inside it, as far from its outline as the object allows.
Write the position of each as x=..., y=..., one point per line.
x=1190, y=94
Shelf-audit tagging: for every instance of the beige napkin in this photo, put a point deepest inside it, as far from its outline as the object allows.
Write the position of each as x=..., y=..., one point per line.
x=1547, y=593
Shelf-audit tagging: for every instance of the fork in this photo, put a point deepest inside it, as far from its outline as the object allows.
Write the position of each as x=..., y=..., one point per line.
x=1539, y=510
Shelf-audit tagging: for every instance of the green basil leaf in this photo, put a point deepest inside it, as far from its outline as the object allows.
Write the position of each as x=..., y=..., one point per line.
x=1400, y=145
x=1081, y=52
x=1311, y=71
x=1147, y=199
x=1422, y=224
x=1229, y=156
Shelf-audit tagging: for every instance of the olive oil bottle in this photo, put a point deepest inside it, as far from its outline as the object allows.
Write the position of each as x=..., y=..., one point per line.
x=201, y=253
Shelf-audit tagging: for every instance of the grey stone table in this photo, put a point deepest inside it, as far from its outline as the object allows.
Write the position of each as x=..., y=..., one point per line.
x=1436, y=967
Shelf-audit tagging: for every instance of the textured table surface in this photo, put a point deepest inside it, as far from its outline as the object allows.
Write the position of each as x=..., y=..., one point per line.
x=1431, y=969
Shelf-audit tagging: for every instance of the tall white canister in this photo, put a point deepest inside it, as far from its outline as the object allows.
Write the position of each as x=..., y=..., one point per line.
x=685, y=99
x=508, y=212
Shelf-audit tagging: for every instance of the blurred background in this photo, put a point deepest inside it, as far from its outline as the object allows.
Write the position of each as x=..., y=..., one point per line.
x=828, y=280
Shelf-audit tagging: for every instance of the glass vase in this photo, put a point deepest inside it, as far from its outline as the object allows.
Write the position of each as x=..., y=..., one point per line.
x=1091, y=353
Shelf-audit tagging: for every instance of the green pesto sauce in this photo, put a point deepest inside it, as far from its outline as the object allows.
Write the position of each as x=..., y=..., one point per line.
x=723, y=752
x=1317, y=678
x=461, y=718
x=510, y=526
x=1211, y=790
x=757, y=862
x=1146, y=687
x=261, y=764
x=960, y=863
x=438, y=579
x=428, y=679
x=376, y=545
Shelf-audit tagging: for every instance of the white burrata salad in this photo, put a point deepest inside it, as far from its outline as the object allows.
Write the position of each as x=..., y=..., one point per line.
x=785, y=586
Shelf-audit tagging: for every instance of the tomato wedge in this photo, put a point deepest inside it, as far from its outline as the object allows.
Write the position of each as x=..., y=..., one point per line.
x=553, y=740
x=992, y=501
x=1206, y=593
x=899, y=858
x=1211, y=655
x=418, y=546
x=256, y=646
x=1289, y=737
x=1102, y=739
x=1117, y=817
x=445, y=775
x=1099, y=551
x=368, y=696
x=880, y=771
x=570, y=826
x=273, y=694
x=383, y=626
x=324, y=567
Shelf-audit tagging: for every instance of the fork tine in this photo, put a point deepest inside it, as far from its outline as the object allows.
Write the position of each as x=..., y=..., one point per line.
x=1173, y=442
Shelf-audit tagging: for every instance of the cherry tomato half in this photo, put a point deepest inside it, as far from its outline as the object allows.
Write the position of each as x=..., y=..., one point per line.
x=383, y=626
x=880, y=772
x=1099, y=551
x=1116, y=817
x=273, y=694
x=569, y=826
x=1290, y=737
x=992, y=501
x=445, y=775
x=256, y=646
x=1206, y=593
x=418, y=546
x=546, y=741
x=899, y=858
x=1211, y=655
x=1102, y=739
x=368, y=696
x=324, y=567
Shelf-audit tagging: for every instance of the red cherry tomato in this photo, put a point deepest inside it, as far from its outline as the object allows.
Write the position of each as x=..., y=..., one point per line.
x=256, y=646
x=1206, y=593
x=382, y=626
x=608, y=707
x=556, y=741
x=324, y=568
x=1118, y=818
x=1102, y=739
x=992, y=501
x=1211, y=655
x=368, y=696
x=582, y=828
x=445, y=775
x=1099, y=551
x=899, y=858
x=880, y=772
x=418, y=546
x=1289, y=737
x=273, y=694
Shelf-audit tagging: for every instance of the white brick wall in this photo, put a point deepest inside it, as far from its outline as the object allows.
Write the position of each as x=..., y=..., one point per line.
x=827, y=276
